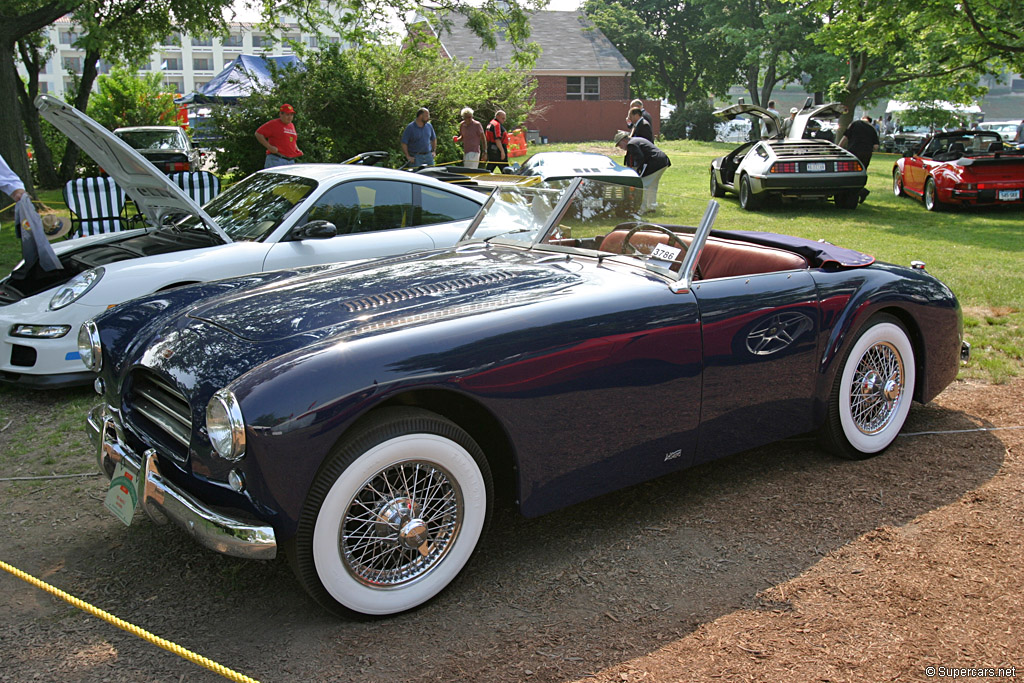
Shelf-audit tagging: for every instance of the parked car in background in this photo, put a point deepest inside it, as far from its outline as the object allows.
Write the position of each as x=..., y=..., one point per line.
x=904, y=138
x=280, y=218
x=969, y=168
x=364, y=417
x=793, y=167
x=166, y=147
x=1007, y=129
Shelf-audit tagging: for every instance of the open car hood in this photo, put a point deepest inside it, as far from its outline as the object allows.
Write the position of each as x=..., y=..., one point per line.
x=769, y=121
x=154, y=194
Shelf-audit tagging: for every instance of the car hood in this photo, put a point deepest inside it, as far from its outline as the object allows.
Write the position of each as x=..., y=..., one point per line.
x=385, y=294
x=152, y=192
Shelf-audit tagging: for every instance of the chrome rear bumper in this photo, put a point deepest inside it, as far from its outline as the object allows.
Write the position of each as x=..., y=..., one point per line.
x=163, y=500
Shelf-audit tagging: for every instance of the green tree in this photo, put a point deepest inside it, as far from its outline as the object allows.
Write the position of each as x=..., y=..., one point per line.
x=128, y=98
x=999, y=24
x=896, y=47
x=20, y=19
x=773, y=39
x=678, y=49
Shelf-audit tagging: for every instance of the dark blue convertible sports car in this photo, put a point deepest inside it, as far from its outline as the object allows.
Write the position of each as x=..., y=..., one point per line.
x=363, y=417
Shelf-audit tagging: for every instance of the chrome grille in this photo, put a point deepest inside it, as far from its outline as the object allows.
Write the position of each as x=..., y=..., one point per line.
x=166, y=413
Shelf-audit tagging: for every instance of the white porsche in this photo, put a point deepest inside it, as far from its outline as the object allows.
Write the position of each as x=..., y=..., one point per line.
x=300, y=215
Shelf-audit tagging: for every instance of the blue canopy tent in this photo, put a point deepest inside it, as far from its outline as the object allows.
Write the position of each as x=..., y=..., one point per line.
x=239, y=79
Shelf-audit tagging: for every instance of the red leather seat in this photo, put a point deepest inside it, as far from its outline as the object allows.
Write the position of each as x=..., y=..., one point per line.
x=720, y=258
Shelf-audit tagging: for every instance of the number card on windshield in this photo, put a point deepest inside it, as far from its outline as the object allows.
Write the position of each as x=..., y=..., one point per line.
x=665, y=254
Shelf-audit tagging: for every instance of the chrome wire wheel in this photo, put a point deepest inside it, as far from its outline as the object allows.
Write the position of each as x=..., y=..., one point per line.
x=877, y=388
x=394, y=515
x=401, y=524
x=872, y=392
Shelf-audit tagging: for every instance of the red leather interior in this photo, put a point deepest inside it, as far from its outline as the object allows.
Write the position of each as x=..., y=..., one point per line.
x=720, y=258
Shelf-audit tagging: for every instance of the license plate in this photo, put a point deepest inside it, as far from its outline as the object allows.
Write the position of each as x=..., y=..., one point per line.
x=122, y=498
x=1008, y=195
x=816, y=166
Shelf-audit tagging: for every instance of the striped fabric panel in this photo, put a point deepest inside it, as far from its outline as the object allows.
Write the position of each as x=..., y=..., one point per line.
x=201, y=186
x=96, y=205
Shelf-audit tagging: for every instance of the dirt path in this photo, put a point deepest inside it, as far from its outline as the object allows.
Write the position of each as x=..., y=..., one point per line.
x=779, y=564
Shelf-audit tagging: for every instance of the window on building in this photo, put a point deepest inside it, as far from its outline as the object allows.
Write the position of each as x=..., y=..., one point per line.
x=202, y=42
x=582, y=88
x=334, y=40
x=72, y=64
x=229, y=58
x=103, y=67
x=312, y=41
x=202, y=63
x=233, y=40
x=172, y=39
x=171, y=64
x=44, y=87
x=68, y=37
x=262, y=41
x=174, y=86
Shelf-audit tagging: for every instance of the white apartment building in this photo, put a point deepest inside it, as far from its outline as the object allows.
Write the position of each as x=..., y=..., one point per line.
x=186, y=62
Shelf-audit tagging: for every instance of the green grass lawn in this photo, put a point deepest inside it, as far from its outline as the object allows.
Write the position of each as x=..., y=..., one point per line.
x=978, y=253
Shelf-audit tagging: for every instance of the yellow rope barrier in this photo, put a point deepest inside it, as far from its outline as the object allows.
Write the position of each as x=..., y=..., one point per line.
x=131, y=628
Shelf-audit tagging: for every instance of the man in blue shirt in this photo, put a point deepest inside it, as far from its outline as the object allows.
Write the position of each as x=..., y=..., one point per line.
x=419, y=140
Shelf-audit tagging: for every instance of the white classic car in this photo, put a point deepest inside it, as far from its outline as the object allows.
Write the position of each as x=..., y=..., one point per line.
x=299, y=215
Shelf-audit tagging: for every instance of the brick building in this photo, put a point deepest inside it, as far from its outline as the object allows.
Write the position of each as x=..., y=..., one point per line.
x=582, y=79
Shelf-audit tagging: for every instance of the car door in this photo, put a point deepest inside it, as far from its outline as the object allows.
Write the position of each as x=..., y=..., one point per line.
x=760, y=338
x=373, y=218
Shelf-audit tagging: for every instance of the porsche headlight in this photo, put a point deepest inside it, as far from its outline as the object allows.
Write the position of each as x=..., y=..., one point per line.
x=75, y=288
x=224, y=425
x=89, y=348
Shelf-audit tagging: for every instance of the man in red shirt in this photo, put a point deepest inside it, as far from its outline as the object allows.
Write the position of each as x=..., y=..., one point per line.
x=497, y=142
x=278, y=136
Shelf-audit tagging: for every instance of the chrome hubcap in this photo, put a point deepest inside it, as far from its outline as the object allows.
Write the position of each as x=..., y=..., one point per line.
x=877, y=388
x=401, y=524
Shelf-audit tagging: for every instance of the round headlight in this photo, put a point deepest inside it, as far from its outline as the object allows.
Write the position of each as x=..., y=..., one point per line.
x=89, y=349
x=224, y=425
x=75, y=288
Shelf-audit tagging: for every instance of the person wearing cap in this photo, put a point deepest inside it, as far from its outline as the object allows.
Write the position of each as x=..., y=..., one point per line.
x=419, y=141
x=279, y=138
x=648, y=161
x=787, y=125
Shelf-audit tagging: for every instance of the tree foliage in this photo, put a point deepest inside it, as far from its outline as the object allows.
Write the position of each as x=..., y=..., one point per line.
x=772, y=38
x=128, y=98
x=348, y=102
x=678, y=48
x=920, y=49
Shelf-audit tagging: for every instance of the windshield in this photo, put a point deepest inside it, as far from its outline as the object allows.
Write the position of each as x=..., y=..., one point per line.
x=153, y=139
x=251, y=209
x=574, y=216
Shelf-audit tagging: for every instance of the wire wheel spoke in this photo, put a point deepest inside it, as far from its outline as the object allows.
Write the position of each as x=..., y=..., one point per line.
x=876, y=388
x=400, y=524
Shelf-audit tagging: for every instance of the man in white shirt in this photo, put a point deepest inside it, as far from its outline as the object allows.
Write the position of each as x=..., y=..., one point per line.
x=10, y=183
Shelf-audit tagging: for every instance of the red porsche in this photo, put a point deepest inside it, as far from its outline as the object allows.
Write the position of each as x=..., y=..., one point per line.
x=972, y=168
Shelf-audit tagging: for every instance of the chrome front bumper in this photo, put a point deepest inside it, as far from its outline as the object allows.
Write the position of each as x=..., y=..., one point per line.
x=163, y=500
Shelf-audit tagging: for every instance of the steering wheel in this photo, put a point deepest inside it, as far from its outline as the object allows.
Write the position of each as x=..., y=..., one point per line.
x=672, y=237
